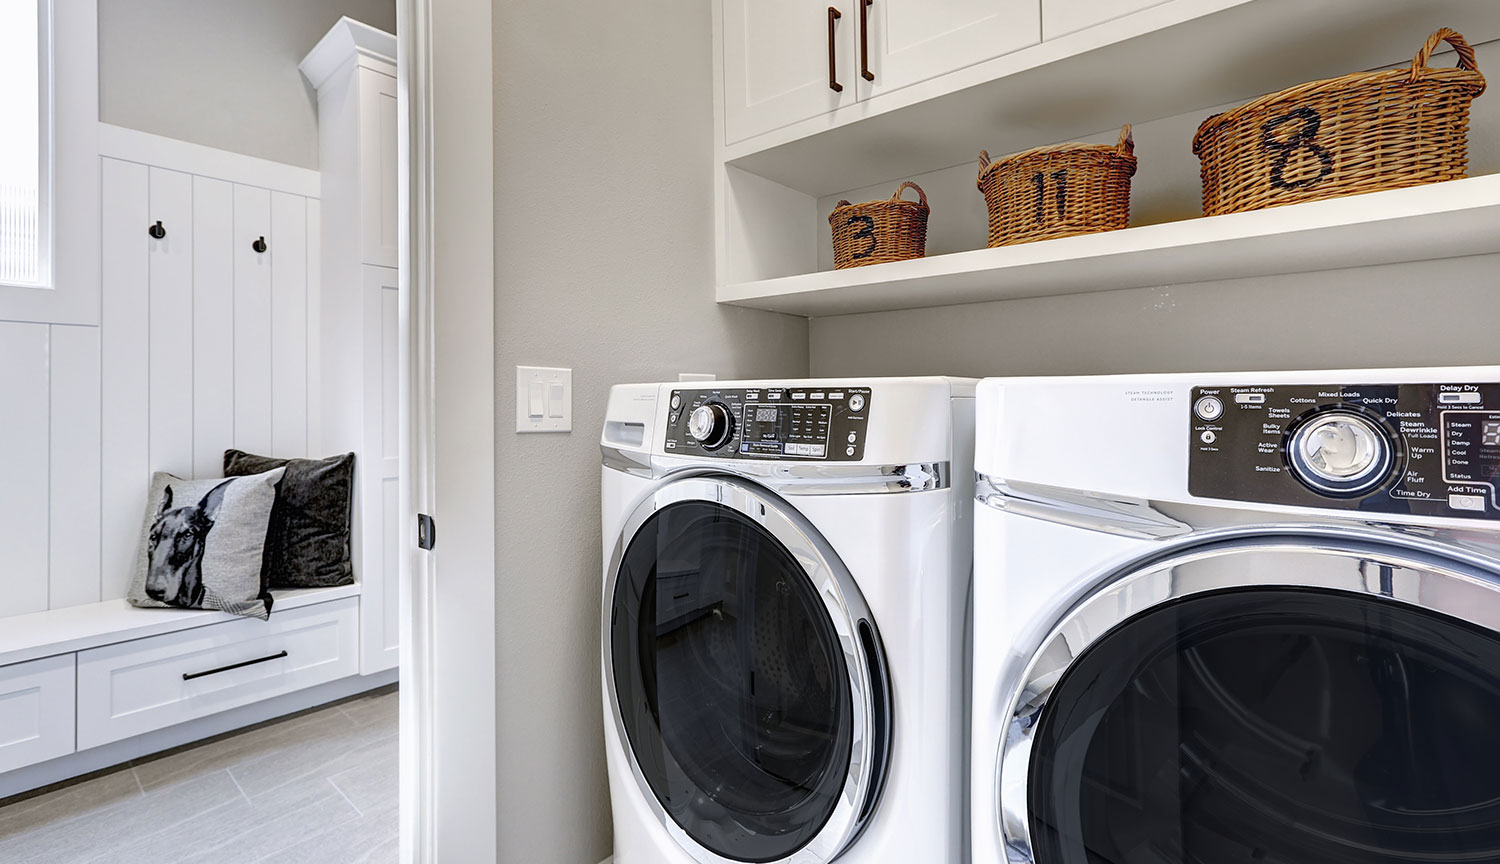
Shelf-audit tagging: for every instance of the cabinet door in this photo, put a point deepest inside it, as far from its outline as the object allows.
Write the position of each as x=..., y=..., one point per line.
x=378, y=140
x=913, y=40
x=776, y=62
x=379, y=475
x=1061, y=17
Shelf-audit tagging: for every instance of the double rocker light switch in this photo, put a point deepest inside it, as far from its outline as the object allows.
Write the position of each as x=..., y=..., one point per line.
x=544, y=399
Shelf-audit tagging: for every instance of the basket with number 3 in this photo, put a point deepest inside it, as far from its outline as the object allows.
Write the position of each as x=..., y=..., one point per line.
x=1059, y=191
x=879, y=231
x=1345, y=136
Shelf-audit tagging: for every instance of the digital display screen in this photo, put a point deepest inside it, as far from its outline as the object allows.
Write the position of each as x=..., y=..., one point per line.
x=1490, y=435
x=772, y=414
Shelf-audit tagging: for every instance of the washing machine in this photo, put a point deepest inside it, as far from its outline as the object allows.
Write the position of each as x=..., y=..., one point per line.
x=1238, y=617
x=786, y=565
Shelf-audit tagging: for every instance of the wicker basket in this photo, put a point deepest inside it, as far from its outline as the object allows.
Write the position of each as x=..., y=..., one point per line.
x=1344, y=136
x=1058, y=191
x=879, y=231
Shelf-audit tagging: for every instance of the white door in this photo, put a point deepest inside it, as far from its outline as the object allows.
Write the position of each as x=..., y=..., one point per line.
x=447, y=432
x=785, y=61
x=912, y=40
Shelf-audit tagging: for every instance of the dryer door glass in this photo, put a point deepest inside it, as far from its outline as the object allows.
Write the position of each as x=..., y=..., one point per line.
x=1273, y=725
x=731, y=682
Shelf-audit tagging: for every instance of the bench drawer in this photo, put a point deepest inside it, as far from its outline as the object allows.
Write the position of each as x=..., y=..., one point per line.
x=36, y=711
x=135, y=687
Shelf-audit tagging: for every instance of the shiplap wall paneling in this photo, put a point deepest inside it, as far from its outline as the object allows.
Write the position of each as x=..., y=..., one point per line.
x=23, y=463
x=252, y=320
x=170, y=280
x=125, y=368
x=288, y=325
x=213, y=324
x=74, y=517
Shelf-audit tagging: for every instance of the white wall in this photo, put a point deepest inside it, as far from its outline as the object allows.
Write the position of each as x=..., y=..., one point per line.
x=604, y=263
x=1432, y=313
x=222, y=73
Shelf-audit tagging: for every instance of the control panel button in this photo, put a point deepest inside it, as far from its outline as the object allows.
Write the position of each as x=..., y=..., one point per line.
x=676, y=401
x=1208, y=436
x=1466, y=502
x=1466, y=398
x=857, y=402
x=1250, y=398
x=1209, y=408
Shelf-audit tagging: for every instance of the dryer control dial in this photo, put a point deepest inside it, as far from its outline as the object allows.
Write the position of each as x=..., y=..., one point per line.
x=1340, y=453
x=711, y=425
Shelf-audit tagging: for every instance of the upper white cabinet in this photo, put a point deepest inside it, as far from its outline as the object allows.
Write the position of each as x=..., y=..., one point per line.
x=792, y=60
x=906, y=41
x=1061, y=17
x=786, y=60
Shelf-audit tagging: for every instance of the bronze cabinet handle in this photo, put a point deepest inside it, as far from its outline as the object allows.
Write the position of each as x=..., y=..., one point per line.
x=864, y=39
x=833, y=66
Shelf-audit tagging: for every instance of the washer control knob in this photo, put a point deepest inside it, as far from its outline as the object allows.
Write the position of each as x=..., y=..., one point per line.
x=1340, y=453
x=711, y=425
x=1208, y=408
x=857, y=403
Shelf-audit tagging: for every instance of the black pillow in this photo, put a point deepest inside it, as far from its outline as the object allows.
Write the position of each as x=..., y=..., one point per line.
x=307, y=544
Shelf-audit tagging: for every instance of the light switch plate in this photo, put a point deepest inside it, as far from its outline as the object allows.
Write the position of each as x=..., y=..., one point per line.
x=544, y=399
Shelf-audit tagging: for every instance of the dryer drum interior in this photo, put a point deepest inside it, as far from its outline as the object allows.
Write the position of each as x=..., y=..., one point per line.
x=1273, y=724
x=731, y=681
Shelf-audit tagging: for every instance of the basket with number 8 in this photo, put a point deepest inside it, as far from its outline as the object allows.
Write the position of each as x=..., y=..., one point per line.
x=880, y=231
x=1059, y=191
x=1345, y=136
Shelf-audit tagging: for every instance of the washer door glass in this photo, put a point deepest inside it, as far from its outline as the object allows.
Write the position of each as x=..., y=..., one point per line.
x=731, y=682
x=1277, y=726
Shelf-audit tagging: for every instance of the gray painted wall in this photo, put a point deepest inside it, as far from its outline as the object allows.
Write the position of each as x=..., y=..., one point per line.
x=222, y=73
x=604, y=263
x=1404, y=315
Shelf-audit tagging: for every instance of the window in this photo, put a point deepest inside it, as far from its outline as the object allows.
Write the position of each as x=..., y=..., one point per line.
x=25, y=145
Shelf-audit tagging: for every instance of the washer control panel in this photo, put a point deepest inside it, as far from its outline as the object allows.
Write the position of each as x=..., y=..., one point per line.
x=827, y=424
x=1424, y=449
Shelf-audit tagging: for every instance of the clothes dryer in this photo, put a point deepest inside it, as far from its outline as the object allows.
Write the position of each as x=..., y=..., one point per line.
x=785, y=577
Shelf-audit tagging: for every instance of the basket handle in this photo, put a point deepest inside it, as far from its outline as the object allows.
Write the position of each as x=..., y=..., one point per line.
x=910, y=185
x=1465, y=53
x=842, y=203
x=1126, y=144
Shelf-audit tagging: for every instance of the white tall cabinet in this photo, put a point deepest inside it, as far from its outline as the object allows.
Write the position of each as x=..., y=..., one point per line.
x=353, y=69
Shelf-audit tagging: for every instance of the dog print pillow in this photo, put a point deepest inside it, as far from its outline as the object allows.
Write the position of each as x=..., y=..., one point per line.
x=203, y=542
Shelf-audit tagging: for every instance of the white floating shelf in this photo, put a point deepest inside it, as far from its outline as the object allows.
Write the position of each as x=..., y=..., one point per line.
x=1422, y=223
x=1174, y=57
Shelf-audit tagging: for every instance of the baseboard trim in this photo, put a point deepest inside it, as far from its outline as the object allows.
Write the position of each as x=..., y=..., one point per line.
x=609, y=860
x=98, y=759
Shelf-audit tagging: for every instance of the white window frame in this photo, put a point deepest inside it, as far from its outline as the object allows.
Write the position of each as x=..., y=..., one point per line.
x=68, y=191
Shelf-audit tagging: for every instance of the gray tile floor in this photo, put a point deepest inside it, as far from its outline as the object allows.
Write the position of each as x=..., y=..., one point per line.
x=319, y=788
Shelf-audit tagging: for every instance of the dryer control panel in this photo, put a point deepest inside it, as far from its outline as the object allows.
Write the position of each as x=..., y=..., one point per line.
x=779, y=423
x=1424, y=449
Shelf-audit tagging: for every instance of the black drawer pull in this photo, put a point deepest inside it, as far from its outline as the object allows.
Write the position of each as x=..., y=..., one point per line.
x=188, y=676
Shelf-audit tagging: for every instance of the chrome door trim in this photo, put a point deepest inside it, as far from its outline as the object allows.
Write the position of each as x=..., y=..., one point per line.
x=846, y=609
x=791, y=478
x=1471, y=583
x=1112, y=514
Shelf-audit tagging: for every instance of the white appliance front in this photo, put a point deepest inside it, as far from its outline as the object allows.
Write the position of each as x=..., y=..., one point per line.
x=1233, y=617
x=782, y=632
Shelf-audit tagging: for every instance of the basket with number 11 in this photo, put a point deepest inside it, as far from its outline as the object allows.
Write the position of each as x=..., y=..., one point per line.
x=1360, y=133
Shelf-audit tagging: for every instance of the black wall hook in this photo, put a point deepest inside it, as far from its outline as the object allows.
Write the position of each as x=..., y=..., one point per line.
x=259, y=245
x=157, y=231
